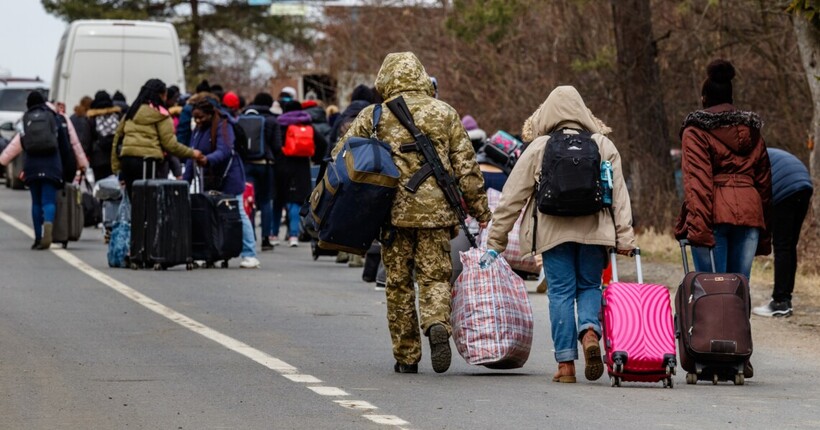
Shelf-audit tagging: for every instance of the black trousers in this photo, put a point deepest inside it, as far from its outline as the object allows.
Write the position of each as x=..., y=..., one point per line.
x=131, y=169
x=787, y=219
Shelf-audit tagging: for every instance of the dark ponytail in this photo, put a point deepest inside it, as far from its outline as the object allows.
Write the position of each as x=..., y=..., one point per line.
x=149, y=93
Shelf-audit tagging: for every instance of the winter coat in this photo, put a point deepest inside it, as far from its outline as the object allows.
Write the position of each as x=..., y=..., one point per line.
x=402, y=74
x=183, y=126
x=344, y=120
x=273, y=137
x=83, y=130
x=318, y=117
x=563, y=109
x=103, y=124
x=789, y=175
x=220, y=157
x=148, y=135
x=69, y=159
x=726, y=175
x=292, y=174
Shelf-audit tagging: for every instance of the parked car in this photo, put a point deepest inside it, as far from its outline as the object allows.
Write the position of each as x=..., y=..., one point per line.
x=13, y=94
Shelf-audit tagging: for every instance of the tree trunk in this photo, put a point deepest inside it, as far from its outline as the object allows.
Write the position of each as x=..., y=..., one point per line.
x=195, y=44
x=808, y=42
x=651, y=169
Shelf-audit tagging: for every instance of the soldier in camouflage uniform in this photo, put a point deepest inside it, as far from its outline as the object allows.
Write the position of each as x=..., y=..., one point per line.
x=423, y=220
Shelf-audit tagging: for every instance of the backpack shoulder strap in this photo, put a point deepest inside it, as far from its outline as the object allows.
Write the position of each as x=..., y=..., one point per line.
x=377, y=115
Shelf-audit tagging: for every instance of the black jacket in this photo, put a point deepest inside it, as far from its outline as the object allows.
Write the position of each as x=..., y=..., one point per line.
x=273, y=136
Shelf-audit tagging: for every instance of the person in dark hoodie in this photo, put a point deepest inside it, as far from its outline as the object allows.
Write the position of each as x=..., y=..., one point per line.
x=259, y=171
x=103, y=120
x=361, y=98
x=183, y=126
x=727, y=181
x=318, y=117
x=292, y=173
x=119, y=100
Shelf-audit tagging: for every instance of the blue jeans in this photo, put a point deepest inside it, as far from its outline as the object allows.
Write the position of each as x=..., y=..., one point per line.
x=735, y=248
x=43, y=204
x=573, y=272
x=293, y=217
x=248, y=239
x=261, y=176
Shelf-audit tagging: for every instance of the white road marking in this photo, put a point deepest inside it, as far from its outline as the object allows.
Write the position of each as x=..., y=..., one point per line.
x=328, y=391
x=389, y=420
x=305, y=379
x=273, y=363
x=355, y=404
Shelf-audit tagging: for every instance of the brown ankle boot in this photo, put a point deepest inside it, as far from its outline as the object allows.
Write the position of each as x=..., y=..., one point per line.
x=566, y=372
x=592, y=356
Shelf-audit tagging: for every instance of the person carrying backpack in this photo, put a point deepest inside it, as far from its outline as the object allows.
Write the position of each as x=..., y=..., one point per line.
x=301, y=145
x=573, y=238
x=223, y=171
x=423, y=219
x=50, y=158
x=104, y=119
x=262, y=130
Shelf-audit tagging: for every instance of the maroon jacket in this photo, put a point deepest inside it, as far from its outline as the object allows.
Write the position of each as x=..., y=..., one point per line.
x=726, y=175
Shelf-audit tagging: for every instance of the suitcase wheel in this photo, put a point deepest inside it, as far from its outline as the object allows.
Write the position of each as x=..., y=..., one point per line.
x=65, y=245
x=158, y=267
x=189, y=266
x=668, y=383
x=614, y=381
x=715, y=379
x=739, y=379
x=224, y=264
x=134, y=266
x=691, y=378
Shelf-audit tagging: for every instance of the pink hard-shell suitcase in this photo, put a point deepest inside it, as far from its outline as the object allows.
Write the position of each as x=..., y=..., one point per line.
x=638, y=330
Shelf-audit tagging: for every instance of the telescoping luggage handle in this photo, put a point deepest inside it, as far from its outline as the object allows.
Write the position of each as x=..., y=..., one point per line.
x=683, y=244
x=636, y=253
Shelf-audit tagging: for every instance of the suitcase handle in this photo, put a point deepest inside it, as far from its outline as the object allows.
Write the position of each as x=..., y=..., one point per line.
x=635, y=253
x=683, y=244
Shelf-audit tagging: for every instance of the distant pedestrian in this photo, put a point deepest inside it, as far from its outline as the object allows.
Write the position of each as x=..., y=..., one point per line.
x=791, y=194
x=259, y=170
x=222, y=167
x=103, y=120
x=119, y=100
x=147, y=133
x=50, y=158
x=726, y=180
x=574, y=248
x=80, y=123
x=424, y=222
x=292, y=172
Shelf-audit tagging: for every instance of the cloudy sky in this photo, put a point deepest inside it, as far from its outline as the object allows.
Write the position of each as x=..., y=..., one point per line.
x=28, y=39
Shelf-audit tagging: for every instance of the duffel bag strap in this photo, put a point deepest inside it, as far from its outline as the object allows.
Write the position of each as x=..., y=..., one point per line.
x=377, y=115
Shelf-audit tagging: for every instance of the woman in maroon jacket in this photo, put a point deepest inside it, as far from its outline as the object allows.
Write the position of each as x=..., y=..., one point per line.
x=726, y=179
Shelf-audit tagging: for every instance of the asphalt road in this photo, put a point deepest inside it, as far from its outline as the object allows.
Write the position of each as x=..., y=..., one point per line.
x=303, y=344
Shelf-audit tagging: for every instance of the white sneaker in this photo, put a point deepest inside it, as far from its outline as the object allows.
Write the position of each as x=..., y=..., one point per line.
x=274, y=240
x=293, y=242
x=250, y=263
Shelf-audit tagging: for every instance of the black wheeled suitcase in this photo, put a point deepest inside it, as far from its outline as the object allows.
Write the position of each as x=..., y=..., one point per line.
x=68, y=218
x=216, y=228
x=712, y=325
x=160, y=224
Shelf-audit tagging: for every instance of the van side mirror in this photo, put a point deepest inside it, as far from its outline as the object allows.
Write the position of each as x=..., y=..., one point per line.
x=7, y=126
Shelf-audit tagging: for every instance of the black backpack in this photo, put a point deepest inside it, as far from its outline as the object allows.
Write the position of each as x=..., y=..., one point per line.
x=570, y=181
x=40, y=131
x=253, y=126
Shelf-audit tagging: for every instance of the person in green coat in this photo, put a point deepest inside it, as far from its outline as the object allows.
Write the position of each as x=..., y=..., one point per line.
x=144, y=136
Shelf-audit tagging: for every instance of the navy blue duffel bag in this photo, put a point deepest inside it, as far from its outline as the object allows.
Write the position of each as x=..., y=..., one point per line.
x=353, y=200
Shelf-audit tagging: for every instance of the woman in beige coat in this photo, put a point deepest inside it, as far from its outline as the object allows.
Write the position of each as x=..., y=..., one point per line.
x=574, y=248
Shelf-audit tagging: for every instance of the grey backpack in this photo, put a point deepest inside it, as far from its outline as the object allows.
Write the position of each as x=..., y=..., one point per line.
x=39, y=131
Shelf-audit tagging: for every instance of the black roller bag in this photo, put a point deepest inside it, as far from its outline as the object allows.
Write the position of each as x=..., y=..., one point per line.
x=216, y=228
x=712, y=325
x=160, y=224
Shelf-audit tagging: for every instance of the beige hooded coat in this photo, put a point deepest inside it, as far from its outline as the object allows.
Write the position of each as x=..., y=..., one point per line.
x=564, y=108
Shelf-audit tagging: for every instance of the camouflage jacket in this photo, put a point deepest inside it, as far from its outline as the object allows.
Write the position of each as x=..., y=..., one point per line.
x=402, y=74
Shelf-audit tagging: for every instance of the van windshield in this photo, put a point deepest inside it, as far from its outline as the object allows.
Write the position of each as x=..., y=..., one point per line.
x=13, y=99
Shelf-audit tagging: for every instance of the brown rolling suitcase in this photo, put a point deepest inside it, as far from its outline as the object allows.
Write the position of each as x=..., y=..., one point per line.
x=712, y=324
x=68, y=218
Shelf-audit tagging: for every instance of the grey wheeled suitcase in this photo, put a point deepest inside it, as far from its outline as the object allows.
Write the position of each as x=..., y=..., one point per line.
x=68, y=218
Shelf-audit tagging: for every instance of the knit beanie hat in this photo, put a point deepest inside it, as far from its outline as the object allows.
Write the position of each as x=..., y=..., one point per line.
x=469, y=123
x=290, y=91
x=263, y=99
x=291, y=106
x=102, y=100
x=34, y=98
x=203, y=87
x=231, y=100
x=717, y=88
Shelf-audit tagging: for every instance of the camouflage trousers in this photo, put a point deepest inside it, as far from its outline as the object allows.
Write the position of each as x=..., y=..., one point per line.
x=424, y=252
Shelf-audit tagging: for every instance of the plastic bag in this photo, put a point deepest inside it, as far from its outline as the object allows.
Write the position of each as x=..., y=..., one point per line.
x=120, y=243
x=108, y=189
x=491, y=314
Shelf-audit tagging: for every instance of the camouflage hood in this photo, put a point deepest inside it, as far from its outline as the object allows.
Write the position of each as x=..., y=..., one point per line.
x=402, y=72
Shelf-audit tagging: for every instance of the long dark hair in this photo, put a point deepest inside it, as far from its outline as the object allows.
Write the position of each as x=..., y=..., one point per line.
x=149, y=93
x=207, y=106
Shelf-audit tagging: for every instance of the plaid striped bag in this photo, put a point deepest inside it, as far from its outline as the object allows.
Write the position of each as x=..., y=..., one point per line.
x=491, y=315
x=513, y=254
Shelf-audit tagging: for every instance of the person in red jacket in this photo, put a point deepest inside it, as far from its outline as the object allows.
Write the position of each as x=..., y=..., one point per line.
x=726, y=179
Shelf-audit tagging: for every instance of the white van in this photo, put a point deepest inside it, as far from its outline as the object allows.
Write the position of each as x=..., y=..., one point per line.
x=115, y=56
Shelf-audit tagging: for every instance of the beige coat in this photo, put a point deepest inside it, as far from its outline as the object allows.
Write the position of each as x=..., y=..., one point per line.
x=564, y=108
